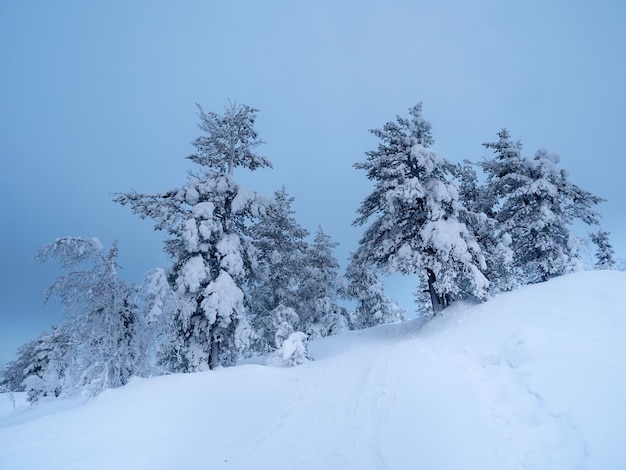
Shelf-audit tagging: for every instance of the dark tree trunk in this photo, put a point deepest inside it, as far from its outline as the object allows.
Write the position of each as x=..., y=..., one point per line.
x=436, y=299
x=214, y=354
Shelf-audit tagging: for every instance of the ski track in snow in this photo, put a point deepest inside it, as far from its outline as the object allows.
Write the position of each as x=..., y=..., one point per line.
x=510, y=385
x=561, y=424
x=342, y=431
x=469, y=392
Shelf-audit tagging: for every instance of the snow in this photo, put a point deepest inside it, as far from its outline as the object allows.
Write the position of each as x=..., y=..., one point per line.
x=193, y=273
x=229, y=248
x=222, y=297
x=191, y=195
x=243, y=199
x=293, y=351
x=97, y=244
x=190, y=235
x=9, y=403
x=156, y=290
x=532, y=379
x=445, y=235
x=203, y=210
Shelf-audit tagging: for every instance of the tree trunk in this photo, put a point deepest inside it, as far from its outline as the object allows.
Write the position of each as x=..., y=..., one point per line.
x=214, y=354
x=435, y=298
x=231, y=157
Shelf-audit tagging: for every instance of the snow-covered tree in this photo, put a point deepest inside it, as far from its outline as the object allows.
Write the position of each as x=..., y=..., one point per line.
x=39, y=367
x=280, y=242
x=535, y=203
x=293, y=351
x=471, y=195
x=320, y=290
x=95, y=348
x=605, y=255
x=414, y=213
x=206, y=222
x=495, y=243
x=15, y=371
x=157, y=301
x=373, y=307
x=277, y=326
x=46, y=372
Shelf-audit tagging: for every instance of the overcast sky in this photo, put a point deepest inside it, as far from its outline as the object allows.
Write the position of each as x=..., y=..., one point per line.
x=99, y=97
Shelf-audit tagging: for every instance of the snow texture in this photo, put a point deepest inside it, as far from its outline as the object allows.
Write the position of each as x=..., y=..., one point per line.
x=532, y=379
x=193, y=273
x=222, y=298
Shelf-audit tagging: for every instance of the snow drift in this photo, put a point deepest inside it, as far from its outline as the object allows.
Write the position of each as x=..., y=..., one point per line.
x=533, y=379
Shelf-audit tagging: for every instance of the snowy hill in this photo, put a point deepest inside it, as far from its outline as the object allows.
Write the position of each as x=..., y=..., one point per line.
x=533, y=379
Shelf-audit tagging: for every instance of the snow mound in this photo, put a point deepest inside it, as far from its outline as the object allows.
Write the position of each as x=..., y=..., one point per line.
x=533, y=379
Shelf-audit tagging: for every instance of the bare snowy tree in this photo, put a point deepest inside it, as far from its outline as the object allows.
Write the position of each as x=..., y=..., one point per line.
x=95, y=347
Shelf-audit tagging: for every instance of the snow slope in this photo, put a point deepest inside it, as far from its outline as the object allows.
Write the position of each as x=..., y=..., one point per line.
x=533, y=379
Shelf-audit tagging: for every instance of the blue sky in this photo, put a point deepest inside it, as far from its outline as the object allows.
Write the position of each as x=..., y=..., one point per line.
x=99, y=97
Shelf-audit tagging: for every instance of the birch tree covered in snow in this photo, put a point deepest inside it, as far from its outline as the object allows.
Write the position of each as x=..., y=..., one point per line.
x=160, y=335
x=206, y=221
x=95, y=347
x=413, y=213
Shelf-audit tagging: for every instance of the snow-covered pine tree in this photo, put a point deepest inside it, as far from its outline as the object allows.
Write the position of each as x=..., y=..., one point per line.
x=15, y=371
x=605, y=255
x=99, y=334
x=373, y=307
x=46, y=372
x=535, y=203
x=281, y=246
x=293, y=351
x=206, y=223
x=320, y=290
x=414, y=211
x=494, y=243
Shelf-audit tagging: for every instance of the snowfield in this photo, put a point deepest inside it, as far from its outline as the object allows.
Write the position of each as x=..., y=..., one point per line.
x=533, y=379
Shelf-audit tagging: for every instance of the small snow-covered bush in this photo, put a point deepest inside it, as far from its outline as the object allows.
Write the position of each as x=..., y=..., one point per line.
x=294, y=351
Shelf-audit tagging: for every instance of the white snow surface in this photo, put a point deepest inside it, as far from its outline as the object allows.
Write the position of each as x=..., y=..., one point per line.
x=532, y=379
